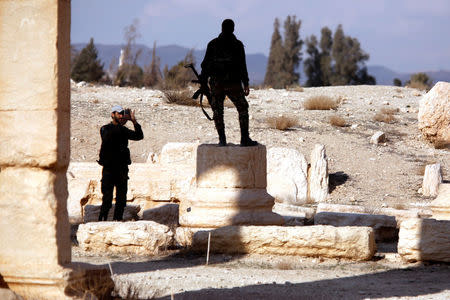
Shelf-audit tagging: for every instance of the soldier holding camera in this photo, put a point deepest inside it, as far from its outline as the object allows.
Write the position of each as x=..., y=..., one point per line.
x=115, y=158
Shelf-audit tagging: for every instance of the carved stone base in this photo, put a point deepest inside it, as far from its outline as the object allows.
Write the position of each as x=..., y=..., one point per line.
x=230, y=189
x=77, y=281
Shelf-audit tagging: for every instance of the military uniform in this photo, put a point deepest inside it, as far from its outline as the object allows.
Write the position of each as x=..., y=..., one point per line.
x=225, y=66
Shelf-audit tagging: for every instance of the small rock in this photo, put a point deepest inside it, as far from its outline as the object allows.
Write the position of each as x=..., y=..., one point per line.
x=354, y=126
x=385, y=102
x=378, y=137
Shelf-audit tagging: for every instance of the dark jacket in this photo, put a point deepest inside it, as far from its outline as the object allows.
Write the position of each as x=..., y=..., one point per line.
x=114, y=150
x=225, y=60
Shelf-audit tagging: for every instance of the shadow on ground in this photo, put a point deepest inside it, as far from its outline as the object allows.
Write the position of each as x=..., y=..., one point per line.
x=410, y=282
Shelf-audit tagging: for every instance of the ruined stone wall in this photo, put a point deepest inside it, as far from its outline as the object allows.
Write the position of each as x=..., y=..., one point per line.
x=34, y=140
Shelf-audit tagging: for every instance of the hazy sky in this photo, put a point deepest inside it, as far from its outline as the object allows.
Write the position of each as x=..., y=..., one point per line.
x=404, y=35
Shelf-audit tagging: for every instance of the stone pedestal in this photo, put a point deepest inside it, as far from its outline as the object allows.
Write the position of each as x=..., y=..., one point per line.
x=230, y=189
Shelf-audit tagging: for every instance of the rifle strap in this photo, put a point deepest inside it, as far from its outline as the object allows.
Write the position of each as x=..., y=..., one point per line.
x=204, y=111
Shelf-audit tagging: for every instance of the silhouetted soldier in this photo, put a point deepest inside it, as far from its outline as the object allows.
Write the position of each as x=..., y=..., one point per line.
x=224, y=64
x=115, y=158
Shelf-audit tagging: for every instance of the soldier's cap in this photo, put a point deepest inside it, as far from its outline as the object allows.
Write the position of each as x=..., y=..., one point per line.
x=117, y=108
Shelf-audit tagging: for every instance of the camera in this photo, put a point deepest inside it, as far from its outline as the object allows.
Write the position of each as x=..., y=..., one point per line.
x=127, y=114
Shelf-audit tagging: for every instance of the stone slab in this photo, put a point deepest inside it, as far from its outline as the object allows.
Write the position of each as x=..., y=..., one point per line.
x=130, y=238
x=355, y=243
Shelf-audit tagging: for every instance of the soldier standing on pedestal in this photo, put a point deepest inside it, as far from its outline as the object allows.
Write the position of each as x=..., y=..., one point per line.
x=225, y=67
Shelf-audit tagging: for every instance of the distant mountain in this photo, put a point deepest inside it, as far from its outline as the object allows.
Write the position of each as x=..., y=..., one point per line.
x=256, y=63
x=385, y=76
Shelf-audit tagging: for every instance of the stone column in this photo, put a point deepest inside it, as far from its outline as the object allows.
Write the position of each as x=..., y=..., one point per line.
x=35, y=148
x=230, y=189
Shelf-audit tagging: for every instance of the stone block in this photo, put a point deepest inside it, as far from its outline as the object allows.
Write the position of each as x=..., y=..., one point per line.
x=45, y=144
x=378, y=137
x=34, y=57
x=287, y=172
x=231, y=167
x=441, y=205
x=434, y=113
x=34, y=227
x=355, y=243
x=425, y=240
x=209, y=207
x=385, y=227
x=83, y=181
x=131, y=238
x=431, y=180
x=91, y=213
x=163, y=213
x=318, y=175
x=179, y=154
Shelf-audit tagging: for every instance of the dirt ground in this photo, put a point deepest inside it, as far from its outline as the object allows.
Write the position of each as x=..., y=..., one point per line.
x=385, y=175
x=388, y=174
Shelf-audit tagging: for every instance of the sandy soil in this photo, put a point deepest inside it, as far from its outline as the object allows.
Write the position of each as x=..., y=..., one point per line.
x=385, y=175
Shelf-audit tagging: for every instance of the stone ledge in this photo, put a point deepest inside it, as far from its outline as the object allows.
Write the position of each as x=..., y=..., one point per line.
x=385, y=227
x=356, y=243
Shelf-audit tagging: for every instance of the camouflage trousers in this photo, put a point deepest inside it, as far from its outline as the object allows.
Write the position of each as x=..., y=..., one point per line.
x=235, y=92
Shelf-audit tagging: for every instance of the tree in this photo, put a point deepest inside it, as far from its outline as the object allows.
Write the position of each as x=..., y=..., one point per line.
x=338, y=53
x=421, y=78
x=326, y=43
x=152, y=72
x=292, y=51
x=275, y=61
x=129, y=73
x=312, y=63
x=178, y=76
x=349, y=61
x=397, y=82
x=86, y=66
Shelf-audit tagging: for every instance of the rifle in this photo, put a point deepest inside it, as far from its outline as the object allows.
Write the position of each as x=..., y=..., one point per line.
x=203, y=90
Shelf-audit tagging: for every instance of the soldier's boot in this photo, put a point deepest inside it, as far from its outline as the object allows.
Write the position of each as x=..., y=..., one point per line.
x=221, y=132
x=103, y=216
x=246, y=141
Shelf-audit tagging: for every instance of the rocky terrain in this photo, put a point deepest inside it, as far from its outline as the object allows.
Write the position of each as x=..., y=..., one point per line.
x=373, y=175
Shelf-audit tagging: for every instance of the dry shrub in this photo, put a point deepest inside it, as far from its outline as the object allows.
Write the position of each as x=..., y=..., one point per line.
x=337, y=121
x=320, y=103
x=400, y=206
x=295, y=88
x=389, y=111
x=386, y=115
x=418, y=85
x=284, y=265
x=181, y=97
x=282, y=122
